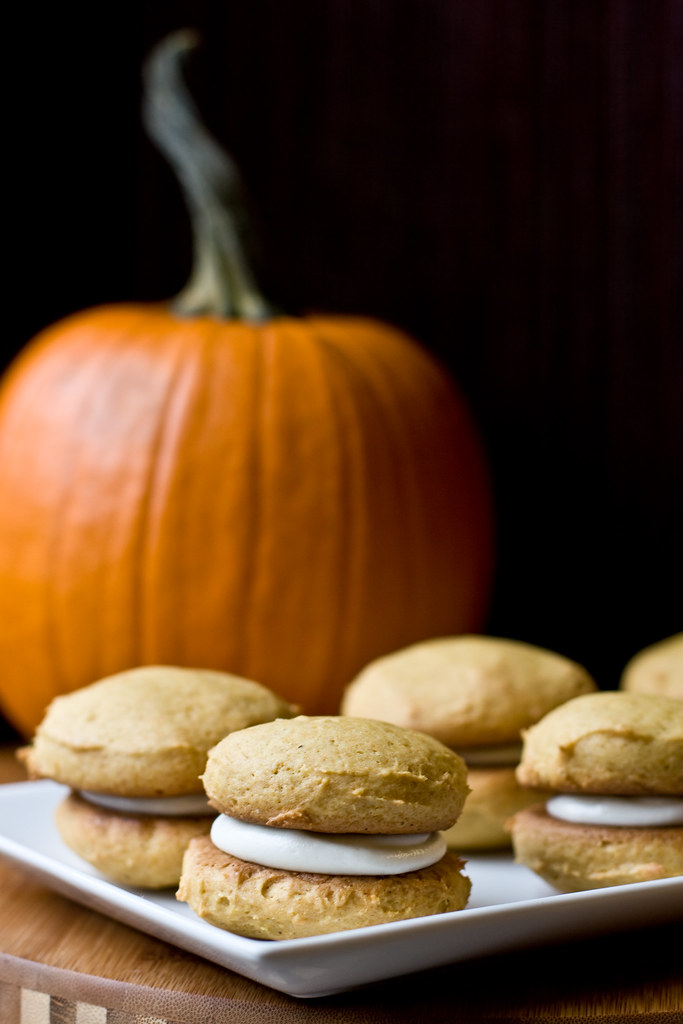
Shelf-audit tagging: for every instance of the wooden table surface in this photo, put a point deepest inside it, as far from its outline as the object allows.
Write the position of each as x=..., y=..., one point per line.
x=60, y=962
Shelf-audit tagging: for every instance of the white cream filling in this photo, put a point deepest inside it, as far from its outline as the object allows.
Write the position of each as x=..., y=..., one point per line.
x=191, y=805
x=323, y=853
x=633, y=811
x=496, y=756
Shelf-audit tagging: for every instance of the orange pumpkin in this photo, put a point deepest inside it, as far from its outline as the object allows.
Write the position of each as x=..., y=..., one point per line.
x=284, y=498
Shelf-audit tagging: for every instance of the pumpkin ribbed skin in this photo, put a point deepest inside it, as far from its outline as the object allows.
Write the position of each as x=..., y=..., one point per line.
x=286, y=501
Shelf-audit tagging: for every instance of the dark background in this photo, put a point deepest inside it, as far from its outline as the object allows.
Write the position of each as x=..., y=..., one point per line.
x=501, y=178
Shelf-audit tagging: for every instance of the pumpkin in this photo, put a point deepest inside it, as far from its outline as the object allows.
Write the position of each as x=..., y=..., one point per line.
x=211, y=483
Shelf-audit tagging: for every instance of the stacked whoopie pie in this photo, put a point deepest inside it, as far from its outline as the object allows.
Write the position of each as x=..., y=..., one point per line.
x=326, y=824
x=614, y=763
x=475, y=694
x=132, y=748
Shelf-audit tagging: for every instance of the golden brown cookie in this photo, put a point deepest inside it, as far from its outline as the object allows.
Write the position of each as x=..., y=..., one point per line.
x=610, y=742
x=475, y=694
x=335, y=774
x=495, y=796
x=656, y=669
x=573, y=857
x=136, y=850
x=267, y=903
x=615, y=762
x=141, y=735
x=467, y=691
x=145, y=732
x=304, y=796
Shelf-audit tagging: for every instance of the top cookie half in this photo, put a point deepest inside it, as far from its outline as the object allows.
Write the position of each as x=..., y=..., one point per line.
x=146, y=732
x=467, y=691
x=656, y=669
x=335, y=774
x=610, y=743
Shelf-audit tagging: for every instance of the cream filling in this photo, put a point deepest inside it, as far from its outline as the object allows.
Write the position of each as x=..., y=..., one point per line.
x=497, y=756
x=191, y=805
x=322, y=853
x=627, y=811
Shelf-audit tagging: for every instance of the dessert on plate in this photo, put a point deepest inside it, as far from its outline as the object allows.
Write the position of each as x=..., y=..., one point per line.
x=476, y=694
x=132, y=748
x=614, y=762
x=326, y=824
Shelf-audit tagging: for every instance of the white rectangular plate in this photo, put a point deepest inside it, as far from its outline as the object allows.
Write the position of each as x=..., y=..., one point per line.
x=510, y=908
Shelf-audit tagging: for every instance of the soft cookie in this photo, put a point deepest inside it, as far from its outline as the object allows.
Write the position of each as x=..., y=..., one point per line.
x=656, y=669
x=326, y=824
x=132, y=748
x=614, y=762
x=475, y=694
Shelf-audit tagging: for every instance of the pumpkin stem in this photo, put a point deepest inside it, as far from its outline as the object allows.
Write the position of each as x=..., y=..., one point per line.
x=221, y=283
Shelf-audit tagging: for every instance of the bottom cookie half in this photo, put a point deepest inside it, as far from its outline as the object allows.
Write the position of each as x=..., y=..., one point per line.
x=136, y=850
x=495, y=795
x=575, y=857
x=266, y=903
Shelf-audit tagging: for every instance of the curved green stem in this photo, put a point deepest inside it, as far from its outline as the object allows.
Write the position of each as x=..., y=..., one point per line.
x=221, y=283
